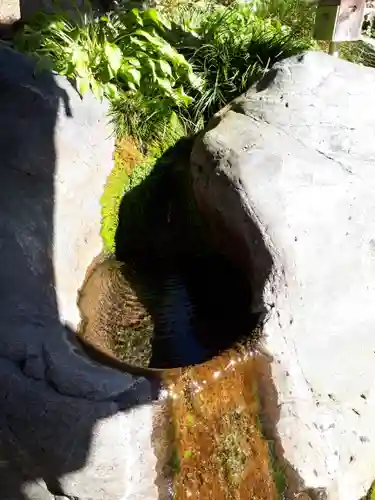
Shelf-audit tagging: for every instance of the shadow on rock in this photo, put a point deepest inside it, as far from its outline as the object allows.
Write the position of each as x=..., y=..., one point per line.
x=56, y=436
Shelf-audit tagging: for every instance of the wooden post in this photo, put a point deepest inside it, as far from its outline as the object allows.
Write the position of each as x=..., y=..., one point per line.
x=339, y=21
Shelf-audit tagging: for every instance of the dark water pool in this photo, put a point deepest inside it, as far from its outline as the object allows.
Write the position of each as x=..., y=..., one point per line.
x=169, y=298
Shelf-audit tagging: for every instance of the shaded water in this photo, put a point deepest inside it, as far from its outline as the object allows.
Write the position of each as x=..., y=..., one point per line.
x=169, y=298
x=165, y=318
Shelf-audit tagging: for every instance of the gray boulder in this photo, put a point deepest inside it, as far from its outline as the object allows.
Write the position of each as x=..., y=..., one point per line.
x=285, y=175
x=62, y=430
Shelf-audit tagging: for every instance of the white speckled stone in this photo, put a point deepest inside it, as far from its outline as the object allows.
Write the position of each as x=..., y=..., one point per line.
x=289, y=168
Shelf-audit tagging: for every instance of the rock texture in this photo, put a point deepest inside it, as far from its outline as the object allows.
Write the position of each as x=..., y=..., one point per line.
x=286, y=176
x=61, y=428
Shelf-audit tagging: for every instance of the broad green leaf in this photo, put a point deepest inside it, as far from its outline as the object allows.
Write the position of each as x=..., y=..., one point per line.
x=131, y=73
x=142, y=44
x=135, y=75
x=165, y=68
x=134, y=13
x=172, y=55
x=165, y=85
x=142, y=57
x=105, y=73
x=83, y=85
x=80, y=60
x=152, y=15
x=133, y=61
x=43, y=64
x=97, y=89
x=114, y=56
x=155, y=40
x=152, y=66
x=67, y=69
x=181, y=97
x=111, y=91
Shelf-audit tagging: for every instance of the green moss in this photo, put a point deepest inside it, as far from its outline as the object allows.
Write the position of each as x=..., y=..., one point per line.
x=127, y=174
x=231, y=454
x=277, y=471
x=117, y=183
x=120, y=182
x=174, y=461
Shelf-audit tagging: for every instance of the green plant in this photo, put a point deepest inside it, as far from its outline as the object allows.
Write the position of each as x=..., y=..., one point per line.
x=123, y=51
x=165, y=75
x=358, y=52
x=78, y=48
x=298, y=14
x=230, y=48
x=151, y=122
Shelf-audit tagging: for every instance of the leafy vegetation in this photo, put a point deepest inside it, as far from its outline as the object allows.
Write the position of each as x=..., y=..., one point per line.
x=162, y=72
x=110, y=55
x=151, y=122
x=167, y=71
x=298, y=14
x=231, y=49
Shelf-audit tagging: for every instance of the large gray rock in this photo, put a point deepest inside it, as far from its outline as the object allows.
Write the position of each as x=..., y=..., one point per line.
x=286, y=176
x=61, y=425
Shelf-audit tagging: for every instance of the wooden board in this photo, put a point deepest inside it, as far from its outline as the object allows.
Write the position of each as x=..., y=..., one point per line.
x=339, y=21
x=349, y=20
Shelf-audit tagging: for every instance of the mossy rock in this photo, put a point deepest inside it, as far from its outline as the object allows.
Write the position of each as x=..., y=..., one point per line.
x=126, y=158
